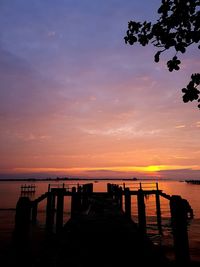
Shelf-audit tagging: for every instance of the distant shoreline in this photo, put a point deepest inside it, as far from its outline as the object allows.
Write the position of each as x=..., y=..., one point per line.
x=82, y=179
x=65, y=179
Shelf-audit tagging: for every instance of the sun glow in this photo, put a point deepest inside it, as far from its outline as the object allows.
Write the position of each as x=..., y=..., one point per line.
x=125, y=169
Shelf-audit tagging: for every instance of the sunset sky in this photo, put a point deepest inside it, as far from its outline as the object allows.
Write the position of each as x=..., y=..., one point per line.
x=76, y=101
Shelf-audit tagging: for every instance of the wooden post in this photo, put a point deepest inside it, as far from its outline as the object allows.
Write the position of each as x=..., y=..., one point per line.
x=60, y=206
x=109, y=188
x=127, y=202
x=85, y=196
x=34, y=212
x=141, y=211
x=117, y=194
x=49, y=211
x=158, y=210
x=120, y=200
x=124, y=186
x=53, y=204
x=79, y=199
x=75, y=201
x=179, y=229
x=22, y=220
x=114, y=189
x=90, y=188
x=73, y=204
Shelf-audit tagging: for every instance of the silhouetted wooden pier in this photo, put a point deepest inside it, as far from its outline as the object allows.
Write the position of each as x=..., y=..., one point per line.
x=100, y=231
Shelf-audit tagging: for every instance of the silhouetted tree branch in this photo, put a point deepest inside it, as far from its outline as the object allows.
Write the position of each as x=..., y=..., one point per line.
x=177, y=28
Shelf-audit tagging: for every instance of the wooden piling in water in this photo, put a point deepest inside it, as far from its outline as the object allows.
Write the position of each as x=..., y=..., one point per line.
x=59, y=210
x=179, y=230
x=89, y=188
x=109, y=188
x=141, y=211
x=49, y=212
x=127, y=197
x=120, y=198
x=158, y=210
x=22, y=219
x=34, y=212
x=53, y=208
x=85, y=191
x=75, y=201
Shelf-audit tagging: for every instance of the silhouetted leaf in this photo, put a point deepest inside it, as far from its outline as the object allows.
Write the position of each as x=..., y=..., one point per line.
x=157, y=56
x=177, y=28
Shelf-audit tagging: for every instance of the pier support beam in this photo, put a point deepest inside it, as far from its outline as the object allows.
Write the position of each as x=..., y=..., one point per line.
x=110, y=189
x=141, y=212
x=49, y=211
x=127, y=196
x=75, y=201
x=90, y=188
x=158, y=210
x=34, y=212
x=120, y=199
x=60, y=207
x=85, y=193
x=179, y=229
x=22, y=220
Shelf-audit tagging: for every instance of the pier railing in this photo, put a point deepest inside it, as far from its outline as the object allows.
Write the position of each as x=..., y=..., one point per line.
x=67, y=187
x=28, y=189
x=81, y=199
x=143, y=185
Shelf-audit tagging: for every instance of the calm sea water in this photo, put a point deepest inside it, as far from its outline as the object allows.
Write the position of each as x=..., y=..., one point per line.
x=10, y=192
